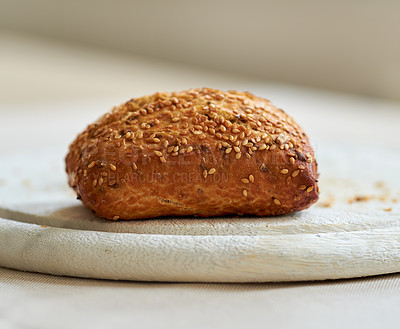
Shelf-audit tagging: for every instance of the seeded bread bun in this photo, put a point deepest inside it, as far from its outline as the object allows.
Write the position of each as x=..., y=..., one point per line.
x=200, y=152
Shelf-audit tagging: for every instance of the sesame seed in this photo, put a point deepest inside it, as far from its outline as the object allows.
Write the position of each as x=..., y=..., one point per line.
x=284, y=171
x=212, y=171
x=228, y=150
x=175, y=119
x=211, y=130
x=156, y=140
x=165, y=143
x=251, y=178
x=241, y=136
x=174, y=154
x=162, y=159
x=189, y=149
x=94, y=182
x=113, y=167
x=292, y=160
x=158, y=153
x=245, y=180
x=302, y=187
x=235, y=131
x=310, y=188
x=244, y=192
x=248, y=156
x=196, y=132
x=205, y=173
x=84, y=173
x=295, y=173
x=115, y=217
x=238, y=155
x=262, y=147
x=101, y=180
x=309, y=160
x=277, y=202
x=139, y=134
x=184, y=141
x=225, y=144
x=143, y=112
x=301, y=167
x=134, y=166
x=92, y=164
x=272, y=147
x=176, y=148
x=237, y=149
x=222, y=128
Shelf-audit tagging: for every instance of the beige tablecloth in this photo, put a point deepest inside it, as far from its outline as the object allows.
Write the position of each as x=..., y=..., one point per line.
x=54, y=90
x=30, y=300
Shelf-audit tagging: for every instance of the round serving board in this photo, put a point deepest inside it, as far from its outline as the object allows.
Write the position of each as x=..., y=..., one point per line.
x=353, y=231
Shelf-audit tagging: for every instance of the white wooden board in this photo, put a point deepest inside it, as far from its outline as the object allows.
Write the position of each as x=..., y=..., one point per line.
x=353, y=231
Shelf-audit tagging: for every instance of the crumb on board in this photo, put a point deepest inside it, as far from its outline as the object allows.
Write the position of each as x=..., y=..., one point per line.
x=380, y=184
x=388, y=209
x=43, y=225
x=327, y=203
x=365, y=198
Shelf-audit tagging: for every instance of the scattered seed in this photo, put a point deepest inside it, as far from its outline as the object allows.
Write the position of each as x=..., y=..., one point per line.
x=310, y=188
x=245, y=180
x=284, y=171
x=295, y=173
x=244, y=192
x=158, y=153
x=262, y=147
x=302, y=187
x=112, y=167
x=212, y=171
x=277, y=202
x=251, y=178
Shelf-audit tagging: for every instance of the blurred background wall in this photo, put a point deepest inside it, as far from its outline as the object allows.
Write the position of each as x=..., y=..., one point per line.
x=344, y=45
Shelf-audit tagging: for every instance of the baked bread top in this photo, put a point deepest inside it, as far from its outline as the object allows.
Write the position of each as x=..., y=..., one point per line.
x=198, y=152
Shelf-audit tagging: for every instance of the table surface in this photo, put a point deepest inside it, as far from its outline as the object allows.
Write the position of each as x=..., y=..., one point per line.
x=50, y=91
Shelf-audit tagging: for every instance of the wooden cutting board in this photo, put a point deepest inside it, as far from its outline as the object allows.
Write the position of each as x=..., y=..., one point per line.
x=353, y=231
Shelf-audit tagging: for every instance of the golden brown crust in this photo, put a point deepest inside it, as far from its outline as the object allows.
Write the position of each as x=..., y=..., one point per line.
x=198, y=152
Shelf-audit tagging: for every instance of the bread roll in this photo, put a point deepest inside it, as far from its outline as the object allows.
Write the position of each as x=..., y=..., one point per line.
x=201, y=152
